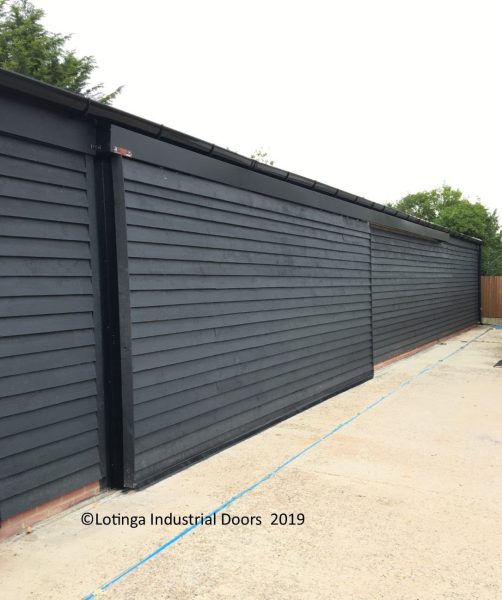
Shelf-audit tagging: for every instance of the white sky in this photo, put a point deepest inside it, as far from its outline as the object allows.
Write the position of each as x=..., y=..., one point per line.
x=377, y=97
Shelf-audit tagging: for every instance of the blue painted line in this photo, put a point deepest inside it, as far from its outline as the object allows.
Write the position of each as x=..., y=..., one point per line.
x=498, y=326
x=275, y=471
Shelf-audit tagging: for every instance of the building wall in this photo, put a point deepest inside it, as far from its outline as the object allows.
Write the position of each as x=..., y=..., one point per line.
x=421, y=290
x=216, y=301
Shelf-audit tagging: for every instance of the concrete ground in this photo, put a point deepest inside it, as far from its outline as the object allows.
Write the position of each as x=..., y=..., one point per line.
x=405, y=502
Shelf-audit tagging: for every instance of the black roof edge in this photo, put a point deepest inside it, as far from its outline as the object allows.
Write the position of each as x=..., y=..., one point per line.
x=87, y=108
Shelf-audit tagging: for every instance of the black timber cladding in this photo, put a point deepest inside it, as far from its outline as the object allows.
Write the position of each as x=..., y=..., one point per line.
x=244, y=309
x=49, y=328
x=421, y=290
x=232, y=293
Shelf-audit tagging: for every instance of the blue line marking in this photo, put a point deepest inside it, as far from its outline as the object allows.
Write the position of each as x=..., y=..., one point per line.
x=277, y=470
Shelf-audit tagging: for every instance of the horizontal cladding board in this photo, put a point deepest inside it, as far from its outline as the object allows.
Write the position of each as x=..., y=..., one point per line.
x=417, y=337
x=393, y=316
x=433, y=327
x=433, y=285
x=426, y=303
x=31, y=459
x=12, y=187
x=384, y=300
x=434, y=282
x=434, y=260
x=47, y=415
x=255, y=254
x=384, y=303
x=206, y=208
x=389, y=329
x=28, y=480
x=252, y=334
x=138, y=174
x=34, y=438
x=195, y=317
x=415, y=266
x=452, y=261
x=12, y=246
x=194, y=311
x=158, y=227
x=38, y=153
x=406, y=278
x=44, y=267
x=45, y=305
x=45, y=286
x=40, y=380
x=239, y=302
x=31, y=324
x=439, y=254
x=43, y=229
x=421, y=290
x=162, y=200
x=272, y=377
x=202, y=367
x=54, y=340
x=40, y=361
x=33, y=171
x=385, y=275
x=50, y=490
x=193, y=267
x=223, y=282
x=209, y=210
x=193, y=374
x=152, y=298
x=385, y=319
x=193, y=383
x=44, y=398
x=238, y=325
x=407, y=297
x=144, y=241
x=45, y=211
x=413, y=289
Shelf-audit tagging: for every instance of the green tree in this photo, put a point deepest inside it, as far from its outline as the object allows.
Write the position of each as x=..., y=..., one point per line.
x=428, y=205
x=448, y=207
x=26, y=47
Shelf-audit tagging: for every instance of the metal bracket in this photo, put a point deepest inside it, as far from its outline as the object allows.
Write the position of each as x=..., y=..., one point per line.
x=120, y=150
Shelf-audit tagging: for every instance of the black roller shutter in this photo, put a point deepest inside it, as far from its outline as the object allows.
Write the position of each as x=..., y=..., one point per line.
x=244, y=309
